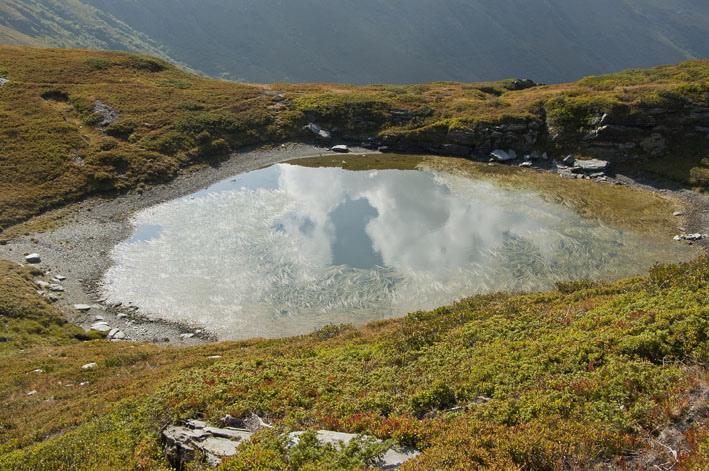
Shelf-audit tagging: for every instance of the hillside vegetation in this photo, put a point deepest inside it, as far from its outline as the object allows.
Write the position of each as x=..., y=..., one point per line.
x=76, y=122
x=375, y=41
x=588, y=375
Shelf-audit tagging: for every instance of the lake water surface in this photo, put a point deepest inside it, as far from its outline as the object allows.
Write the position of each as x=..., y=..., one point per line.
x=288, y=249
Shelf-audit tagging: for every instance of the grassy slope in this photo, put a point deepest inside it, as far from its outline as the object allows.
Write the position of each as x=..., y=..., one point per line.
x=581, y=375
x=53, y=152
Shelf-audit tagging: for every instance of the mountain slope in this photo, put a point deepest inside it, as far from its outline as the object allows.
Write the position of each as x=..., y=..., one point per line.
x=69, y=23
x=394, y=41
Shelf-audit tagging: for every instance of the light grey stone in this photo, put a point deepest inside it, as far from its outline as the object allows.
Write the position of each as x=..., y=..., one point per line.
x=82, y=307
x=33, y=258
x=56, y=287
x=501, y=155
x=89, y=366
x=592, y=165
x=343, y=149
x=318, y=131
x=120, y=335
x=101, y=327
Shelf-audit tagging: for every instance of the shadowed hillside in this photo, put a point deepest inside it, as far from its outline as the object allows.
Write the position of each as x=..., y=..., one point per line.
x=375, y=41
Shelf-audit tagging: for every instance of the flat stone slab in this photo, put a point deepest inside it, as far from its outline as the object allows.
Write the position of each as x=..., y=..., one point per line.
x=592, y=165
x=101, y=327
x=341, y=149
x=82, y=307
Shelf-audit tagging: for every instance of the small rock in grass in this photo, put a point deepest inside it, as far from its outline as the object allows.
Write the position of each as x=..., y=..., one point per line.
x=42, y=284
x=689, y=237
x=678, y=213
x=120, y=335
x=89, y=366
x=32, y=393
x=57, y=288
x=214, y=357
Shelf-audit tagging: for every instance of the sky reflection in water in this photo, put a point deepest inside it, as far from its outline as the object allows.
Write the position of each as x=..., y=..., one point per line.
x=287, y=249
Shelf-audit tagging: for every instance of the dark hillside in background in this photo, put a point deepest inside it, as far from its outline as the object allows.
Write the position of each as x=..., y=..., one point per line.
x=375, y=41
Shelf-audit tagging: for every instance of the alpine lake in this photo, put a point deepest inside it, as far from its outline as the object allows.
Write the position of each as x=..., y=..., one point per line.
x=293, y=247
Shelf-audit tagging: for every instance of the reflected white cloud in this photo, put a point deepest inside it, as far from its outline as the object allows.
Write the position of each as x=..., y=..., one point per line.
x=260, y=258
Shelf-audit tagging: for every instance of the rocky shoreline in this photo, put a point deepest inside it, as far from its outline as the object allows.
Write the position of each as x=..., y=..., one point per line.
x=76, y=255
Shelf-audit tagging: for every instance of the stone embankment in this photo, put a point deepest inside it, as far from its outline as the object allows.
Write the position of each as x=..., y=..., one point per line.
x=639, y=133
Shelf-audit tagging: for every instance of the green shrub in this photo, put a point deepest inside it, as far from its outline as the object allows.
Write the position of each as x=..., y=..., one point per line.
x=97, y=63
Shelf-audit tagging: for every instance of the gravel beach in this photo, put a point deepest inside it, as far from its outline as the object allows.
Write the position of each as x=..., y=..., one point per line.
x=80, y=249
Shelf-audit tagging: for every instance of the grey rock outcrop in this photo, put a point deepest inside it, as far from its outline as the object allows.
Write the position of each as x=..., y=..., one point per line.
x=108, y=114
x=319, y=131
x=182, y=442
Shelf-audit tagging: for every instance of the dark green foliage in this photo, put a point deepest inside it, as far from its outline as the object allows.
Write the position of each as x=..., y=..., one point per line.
x=121, y=129
x=97, y=63
x=149, y=64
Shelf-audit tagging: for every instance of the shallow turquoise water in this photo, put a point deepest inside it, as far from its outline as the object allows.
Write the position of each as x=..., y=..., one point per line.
x=288, y=249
